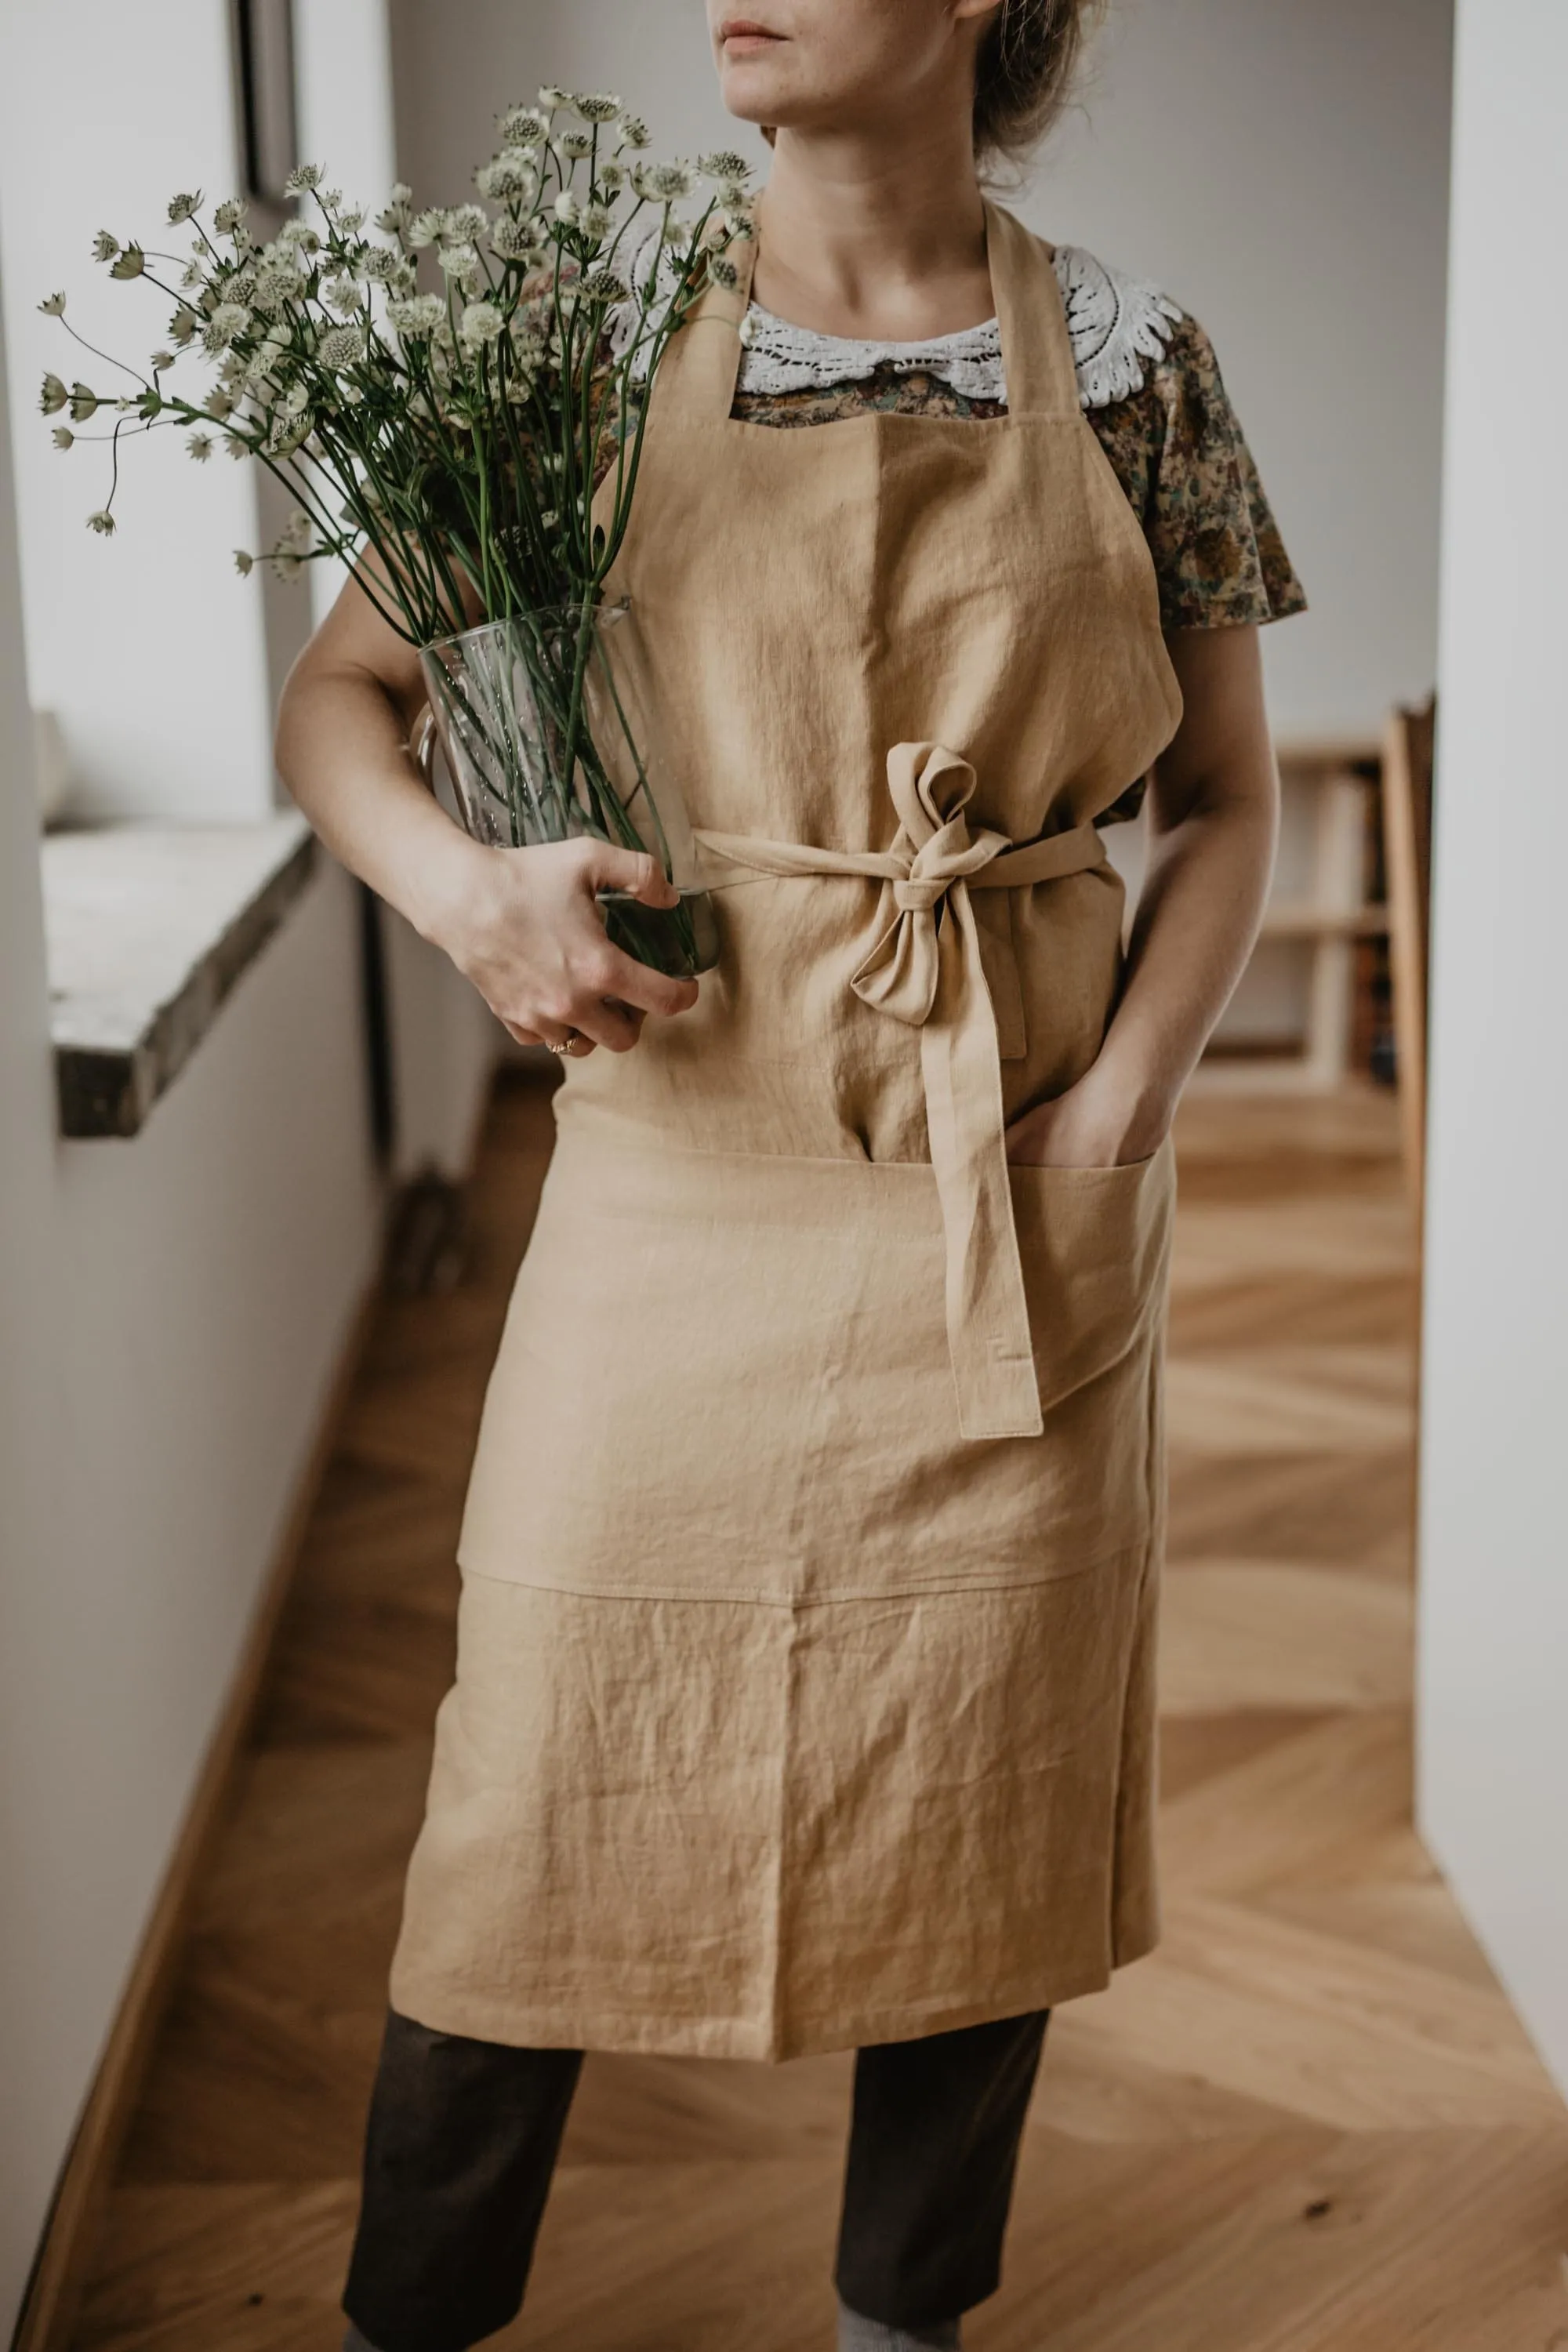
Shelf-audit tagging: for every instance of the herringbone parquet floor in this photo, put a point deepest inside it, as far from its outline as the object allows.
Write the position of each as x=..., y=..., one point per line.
x=1310, y=2123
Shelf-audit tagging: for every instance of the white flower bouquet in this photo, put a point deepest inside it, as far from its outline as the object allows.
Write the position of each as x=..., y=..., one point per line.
x=444, y=397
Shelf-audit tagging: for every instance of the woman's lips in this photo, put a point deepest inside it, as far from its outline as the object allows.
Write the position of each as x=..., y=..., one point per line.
x=744, y=37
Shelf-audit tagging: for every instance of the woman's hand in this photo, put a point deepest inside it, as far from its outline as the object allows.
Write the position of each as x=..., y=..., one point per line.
x=1213, y=806
x=1100, y=1122
x=522, y=925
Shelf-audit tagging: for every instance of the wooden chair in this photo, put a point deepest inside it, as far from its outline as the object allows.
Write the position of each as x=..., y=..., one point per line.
x=1407, y=766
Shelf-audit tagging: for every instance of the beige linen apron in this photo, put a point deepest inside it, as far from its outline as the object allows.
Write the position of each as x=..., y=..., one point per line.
x=804, y=1693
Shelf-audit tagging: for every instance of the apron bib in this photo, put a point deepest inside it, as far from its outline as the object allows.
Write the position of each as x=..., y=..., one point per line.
x=804, y=1693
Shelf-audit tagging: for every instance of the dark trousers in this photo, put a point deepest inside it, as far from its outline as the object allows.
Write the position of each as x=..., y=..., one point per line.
x=463, y=2138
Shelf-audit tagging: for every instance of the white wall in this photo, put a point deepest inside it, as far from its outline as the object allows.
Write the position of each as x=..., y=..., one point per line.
x=1281, y=169
x=148, y=645
x=1494, y=1544
x=43, y=2084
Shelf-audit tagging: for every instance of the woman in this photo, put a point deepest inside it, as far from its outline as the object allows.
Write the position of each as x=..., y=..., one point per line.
x=805, y=1696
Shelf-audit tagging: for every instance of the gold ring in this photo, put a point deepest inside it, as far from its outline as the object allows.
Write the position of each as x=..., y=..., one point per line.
x=575, y=1044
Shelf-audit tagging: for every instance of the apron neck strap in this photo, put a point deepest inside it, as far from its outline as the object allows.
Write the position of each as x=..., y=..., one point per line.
x=699, y=370
x=700, y=367
x=1036, y=349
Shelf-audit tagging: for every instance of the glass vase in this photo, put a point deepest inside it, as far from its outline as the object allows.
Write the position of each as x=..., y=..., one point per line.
x=549, y=729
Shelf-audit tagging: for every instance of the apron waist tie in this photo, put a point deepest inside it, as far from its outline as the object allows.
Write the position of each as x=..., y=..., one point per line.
x=929, y=974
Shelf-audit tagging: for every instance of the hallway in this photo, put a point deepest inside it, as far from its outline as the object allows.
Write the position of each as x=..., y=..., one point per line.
x=1310, y=2123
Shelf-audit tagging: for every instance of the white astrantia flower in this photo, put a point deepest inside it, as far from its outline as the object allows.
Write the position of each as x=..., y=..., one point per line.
x=352, y=221
x=219, y=404
x=426, y=226
x=568, y=212
x=235, y=448
x=229, y=216
x=552, y=97
x=302, y=179
x=342, y=294
x=723, y=164
x=238, y=286
x=182, y=326
x=746, y=331
x=275, y=286
x=723, y=273
x=464, y=222
x=243, y=564
x=54, y=397
x=595, y=221
x=516, y=240
x=341, y=347
x=604, y=286
x=523, y=126
x=184, y=207
x=160, y=360
x=104, y=247
x=420, y=314
x=612, y=176
x=508, y=177
x=634, y=131
x=228, y=322
x=674, y=231
x=670, y=181
x=62, y=436
x=129, y=264
x=84, y=404
x=200, y=445
x=573, y=145
x=102, y=522
x=295, y=401
x=380, y=265
x=457, y=261
x=298, y=237
x=599, y=107
x=481, y=323
x=53, y=306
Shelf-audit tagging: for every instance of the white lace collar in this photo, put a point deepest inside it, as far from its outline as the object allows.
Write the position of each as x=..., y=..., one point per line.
x=1116, y=323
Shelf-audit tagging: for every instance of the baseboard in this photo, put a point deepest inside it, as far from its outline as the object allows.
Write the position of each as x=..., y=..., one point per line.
x=54, y=2294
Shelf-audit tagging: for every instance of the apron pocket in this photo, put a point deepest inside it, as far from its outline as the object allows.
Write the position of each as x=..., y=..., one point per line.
x=1095, y=1246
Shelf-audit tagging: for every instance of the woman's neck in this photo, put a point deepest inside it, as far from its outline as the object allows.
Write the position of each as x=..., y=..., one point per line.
x=882, y=242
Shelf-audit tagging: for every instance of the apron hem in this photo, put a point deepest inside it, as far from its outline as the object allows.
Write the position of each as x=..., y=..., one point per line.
x=443, y=2008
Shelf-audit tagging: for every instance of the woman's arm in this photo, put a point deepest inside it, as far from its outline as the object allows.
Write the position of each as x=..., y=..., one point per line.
x=1213, y=815
x=520, y=923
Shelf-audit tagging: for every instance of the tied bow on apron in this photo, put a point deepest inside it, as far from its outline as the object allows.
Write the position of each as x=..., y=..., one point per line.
x=926, y=969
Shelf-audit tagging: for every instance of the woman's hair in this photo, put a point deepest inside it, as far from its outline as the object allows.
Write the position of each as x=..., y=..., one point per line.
x=1027, y=61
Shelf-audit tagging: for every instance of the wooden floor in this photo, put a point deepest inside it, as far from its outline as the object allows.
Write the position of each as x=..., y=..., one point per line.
x=1310, y=2123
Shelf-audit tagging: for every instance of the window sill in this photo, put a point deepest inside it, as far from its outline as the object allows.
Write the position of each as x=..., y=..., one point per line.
x=149, y=927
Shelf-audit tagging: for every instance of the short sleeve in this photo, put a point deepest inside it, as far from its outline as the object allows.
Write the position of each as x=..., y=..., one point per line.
x=1180, y=455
